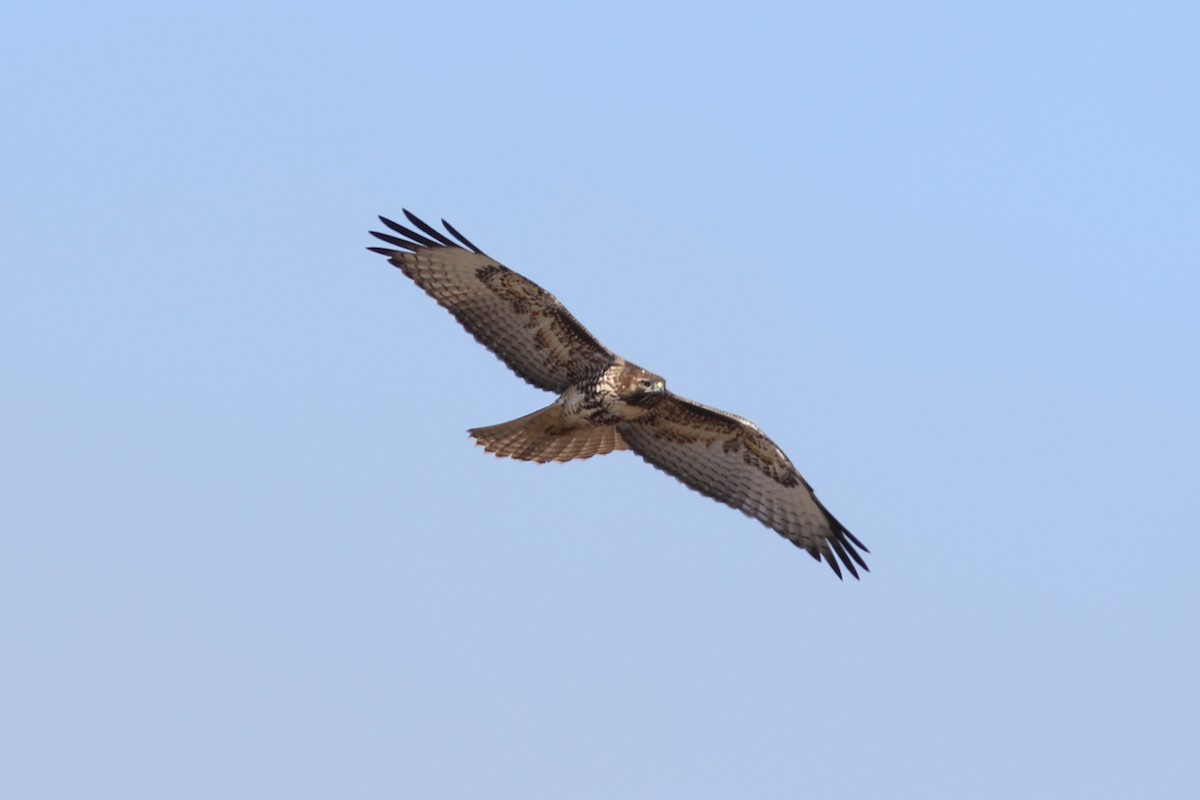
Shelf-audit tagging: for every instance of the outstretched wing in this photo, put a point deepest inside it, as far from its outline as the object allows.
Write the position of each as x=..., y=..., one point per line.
x=729, y=459
x=519, y=321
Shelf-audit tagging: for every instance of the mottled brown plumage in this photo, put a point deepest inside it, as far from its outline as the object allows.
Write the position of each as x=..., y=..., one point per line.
x=606, y=403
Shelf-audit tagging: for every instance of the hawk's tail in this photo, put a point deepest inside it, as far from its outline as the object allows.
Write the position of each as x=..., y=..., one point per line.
x=542, y=436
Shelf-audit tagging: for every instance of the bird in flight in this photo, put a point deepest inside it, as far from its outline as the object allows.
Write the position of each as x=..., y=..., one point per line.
x=606, y=403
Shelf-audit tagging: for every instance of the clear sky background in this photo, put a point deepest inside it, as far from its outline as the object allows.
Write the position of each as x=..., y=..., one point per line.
x=946, y=254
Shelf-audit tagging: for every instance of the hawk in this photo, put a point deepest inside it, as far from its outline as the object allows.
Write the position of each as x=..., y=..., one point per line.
x=606, y=403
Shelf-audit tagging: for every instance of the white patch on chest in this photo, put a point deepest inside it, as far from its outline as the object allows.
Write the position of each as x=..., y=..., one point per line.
x=599, y=405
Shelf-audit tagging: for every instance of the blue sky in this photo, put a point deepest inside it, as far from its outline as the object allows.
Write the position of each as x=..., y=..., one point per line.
x=947, y=255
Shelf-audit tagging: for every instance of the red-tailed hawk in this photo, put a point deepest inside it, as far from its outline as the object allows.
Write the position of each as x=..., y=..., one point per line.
x=605, y=403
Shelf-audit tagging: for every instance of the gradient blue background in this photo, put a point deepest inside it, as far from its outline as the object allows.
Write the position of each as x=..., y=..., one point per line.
x=946, y=254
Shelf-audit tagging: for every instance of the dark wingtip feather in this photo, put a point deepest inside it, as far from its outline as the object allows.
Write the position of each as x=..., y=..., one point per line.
x=845, y=542
x=398, y=242
x=383, y=251
x=410, y=234
x=833, y=565
x=461, y=238
x=429, y=236
x=429, y=229
x=857, y=558
x=836, y=544
x=855, y=540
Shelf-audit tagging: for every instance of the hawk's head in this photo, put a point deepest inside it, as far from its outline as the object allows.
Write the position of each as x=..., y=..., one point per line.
x=642, y=387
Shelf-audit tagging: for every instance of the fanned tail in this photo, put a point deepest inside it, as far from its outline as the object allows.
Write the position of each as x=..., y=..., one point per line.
x=542, y=436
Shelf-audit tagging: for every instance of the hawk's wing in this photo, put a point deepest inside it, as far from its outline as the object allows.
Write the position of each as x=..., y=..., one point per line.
x=508, y=314
x=729, y=459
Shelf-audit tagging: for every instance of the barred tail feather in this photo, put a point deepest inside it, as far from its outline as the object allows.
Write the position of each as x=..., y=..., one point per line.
x=542, y=436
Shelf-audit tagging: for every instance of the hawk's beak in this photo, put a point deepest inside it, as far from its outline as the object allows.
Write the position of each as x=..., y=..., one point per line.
x=659, y=386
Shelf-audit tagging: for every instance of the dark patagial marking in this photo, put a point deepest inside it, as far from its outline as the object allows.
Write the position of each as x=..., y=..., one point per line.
x=488, y=271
